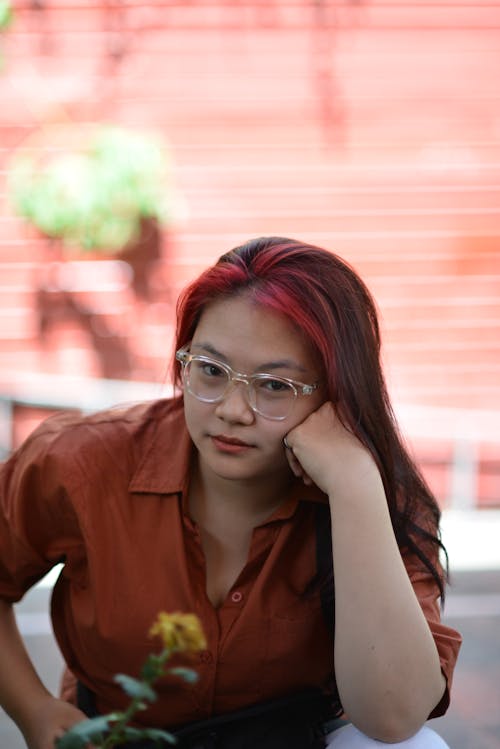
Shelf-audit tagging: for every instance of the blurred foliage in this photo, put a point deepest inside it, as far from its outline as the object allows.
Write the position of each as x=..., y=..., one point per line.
x=95, y=198
x=6, y=15
x=6, y=18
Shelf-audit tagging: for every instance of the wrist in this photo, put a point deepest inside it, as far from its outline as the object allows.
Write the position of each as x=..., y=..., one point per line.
x=359, y=477
x=27, y=714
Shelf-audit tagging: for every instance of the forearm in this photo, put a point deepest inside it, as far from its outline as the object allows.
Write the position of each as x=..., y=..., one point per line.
x=386, y=662
x=20, y=687
x=41, y=717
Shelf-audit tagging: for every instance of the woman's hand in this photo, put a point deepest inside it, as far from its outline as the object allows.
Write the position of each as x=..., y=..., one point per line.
x=322, y=451
x=49, y=721
x=38, y=714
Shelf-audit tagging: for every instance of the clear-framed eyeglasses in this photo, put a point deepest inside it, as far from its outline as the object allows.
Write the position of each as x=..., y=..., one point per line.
x=210, y=381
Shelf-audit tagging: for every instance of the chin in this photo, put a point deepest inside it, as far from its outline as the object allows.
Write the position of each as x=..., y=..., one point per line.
x=231, y=467
x=230, y=470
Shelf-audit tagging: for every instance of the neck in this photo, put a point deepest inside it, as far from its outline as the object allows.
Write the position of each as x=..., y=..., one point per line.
x=251, y=501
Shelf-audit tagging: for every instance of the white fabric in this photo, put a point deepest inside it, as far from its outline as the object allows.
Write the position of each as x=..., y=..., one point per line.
x=349, y=737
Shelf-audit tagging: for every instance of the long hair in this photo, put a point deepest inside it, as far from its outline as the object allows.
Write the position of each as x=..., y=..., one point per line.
x=324, y=297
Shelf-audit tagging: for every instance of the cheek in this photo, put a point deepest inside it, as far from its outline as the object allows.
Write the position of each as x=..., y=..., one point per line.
x=195, y=415
x=273, y=450
x=304, y=408
x=273, y=447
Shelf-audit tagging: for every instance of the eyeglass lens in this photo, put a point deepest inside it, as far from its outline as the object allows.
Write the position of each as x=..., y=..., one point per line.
x=268, y=395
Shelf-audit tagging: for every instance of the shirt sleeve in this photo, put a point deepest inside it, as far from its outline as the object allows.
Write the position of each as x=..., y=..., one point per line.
x=448, y=640
x=38, y=525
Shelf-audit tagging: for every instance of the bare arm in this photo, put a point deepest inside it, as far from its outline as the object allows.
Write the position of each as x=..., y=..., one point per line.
x=39, y=715
x=386, y=662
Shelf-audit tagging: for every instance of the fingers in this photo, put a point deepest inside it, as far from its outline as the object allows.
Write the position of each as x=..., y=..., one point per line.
x=294, y=464
x=48, y=728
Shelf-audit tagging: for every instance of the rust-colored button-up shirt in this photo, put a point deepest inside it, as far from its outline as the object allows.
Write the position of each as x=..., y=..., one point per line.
x=106, y=495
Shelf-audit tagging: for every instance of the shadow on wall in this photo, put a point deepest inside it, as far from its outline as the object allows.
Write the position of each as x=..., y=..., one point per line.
x=66, y=292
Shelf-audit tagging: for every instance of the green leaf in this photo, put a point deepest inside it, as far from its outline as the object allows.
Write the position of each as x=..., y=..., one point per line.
x=131, y=734
x=5, y=15
x=136, y=689
x=71, y=741
x=185, y=673
x=84, y=732
x=156, y=734
x=153, y=667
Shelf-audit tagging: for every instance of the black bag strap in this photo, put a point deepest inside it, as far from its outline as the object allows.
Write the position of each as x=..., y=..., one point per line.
x=325, y=579
x=293, y=718
x=310, y=705
x=324, y=563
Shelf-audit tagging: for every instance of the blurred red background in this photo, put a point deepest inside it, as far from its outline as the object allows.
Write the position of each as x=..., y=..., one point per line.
x=370, y=128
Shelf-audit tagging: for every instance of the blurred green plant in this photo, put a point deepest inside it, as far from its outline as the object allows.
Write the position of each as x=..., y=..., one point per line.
x=95, y=198
x=6, y=14
x=6, y=18
x=179, y=633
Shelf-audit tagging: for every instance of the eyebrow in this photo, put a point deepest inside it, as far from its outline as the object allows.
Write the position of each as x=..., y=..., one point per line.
x=265, y=367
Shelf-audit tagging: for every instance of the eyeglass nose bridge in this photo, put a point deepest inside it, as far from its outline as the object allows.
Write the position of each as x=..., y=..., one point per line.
x=238, y=377
x=235, y=377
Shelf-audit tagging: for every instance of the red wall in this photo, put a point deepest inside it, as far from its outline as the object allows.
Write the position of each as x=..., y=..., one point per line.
x=371, y=128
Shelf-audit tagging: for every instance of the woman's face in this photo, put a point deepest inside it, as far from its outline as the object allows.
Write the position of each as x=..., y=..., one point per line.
x=232, y=440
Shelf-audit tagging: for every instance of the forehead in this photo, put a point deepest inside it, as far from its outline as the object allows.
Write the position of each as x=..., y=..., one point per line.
x=249, y=335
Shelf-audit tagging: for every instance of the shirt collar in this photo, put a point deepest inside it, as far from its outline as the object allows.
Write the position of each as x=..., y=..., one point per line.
x=299, y=493
x=164, y=466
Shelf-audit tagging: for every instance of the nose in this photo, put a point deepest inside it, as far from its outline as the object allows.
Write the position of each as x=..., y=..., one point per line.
x=235, y=406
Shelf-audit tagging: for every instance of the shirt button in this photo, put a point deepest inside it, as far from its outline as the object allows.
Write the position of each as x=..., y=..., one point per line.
x=206, y=657
x=237, y=596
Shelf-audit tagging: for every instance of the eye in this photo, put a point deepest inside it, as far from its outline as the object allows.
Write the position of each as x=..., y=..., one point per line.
x=270, y=386
x=211, y=369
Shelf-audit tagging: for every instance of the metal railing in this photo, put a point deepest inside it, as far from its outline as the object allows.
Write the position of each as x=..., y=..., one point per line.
x=465, y=429
x=49, y=393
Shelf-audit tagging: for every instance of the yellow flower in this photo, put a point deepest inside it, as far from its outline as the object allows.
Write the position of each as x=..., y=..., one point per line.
x=181, y=633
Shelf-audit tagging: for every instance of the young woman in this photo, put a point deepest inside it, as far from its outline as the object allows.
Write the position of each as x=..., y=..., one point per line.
x=274, y=498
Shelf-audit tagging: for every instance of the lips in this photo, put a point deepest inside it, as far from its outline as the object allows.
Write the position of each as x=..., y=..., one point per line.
x=230, y=445
x=230, y=440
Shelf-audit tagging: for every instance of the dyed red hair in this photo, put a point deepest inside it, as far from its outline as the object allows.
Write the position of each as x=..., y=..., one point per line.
x=324, y=297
